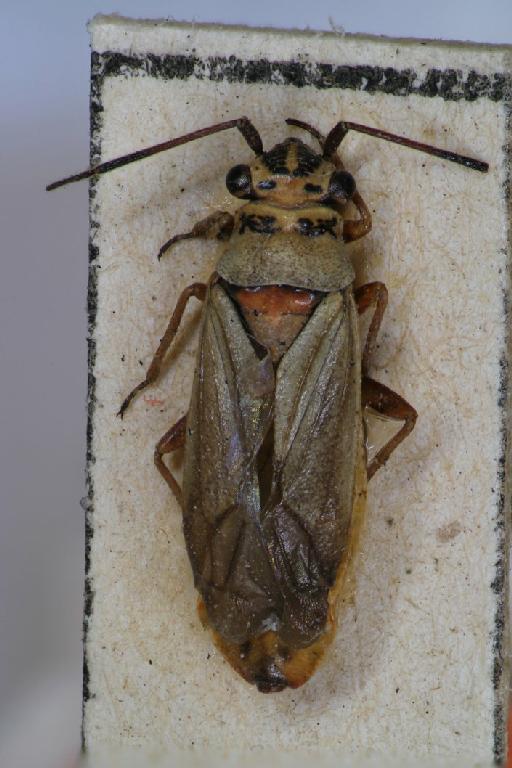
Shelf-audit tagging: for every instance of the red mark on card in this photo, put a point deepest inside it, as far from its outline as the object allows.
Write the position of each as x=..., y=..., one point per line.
x=154, y=401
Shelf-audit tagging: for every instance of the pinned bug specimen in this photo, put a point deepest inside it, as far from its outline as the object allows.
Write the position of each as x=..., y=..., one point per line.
x=276, y=468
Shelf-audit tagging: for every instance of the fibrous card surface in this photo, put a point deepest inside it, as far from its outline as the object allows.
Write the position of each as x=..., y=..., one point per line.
x=417, y=668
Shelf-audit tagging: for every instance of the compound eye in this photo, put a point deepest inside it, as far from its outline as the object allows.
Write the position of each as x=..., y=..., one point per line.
x=341, y=184
x=239, y=181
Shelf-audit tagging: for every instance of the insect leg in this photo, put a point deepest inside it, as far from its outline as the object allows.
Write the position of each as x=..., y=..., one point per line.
x=217, y=225
x=199, y=291
x=371, y=294
x=389, y=404
x=353, y=229
x=173, y=439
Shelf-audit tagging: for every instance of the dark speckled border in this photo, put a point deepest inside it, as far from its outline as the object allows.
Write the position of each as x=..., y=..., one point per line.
x=449, y=85
x=500, y=584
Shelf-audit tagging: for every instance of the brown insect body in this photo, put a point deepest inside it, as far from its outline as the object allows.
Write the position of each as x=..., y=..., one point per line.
x=288, y=516
x=275, y=469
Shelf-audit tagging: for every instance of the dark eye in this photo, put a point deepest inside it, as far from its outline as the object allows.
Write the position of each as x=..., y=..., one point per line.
x=239, y=181
x=341, y=184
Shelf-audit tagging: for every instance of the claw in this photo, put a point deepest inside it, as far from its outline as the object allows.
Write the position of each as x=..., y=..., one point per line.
x=126, y=402
x=176, y=239
x=122, y=409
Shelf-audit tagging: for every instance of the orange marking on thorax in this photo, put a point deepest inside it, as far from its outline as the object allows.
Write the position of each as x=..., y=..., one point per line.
x=275, y=314
x=276, y=300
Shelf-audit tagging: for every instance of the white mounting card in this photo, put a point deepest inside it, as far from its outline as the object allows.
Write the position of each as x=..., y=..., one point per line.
x=418, y=666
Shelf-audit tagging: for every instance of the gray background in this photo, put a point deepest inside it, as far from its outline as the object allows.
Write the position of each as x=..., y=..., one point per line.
x=44, y=135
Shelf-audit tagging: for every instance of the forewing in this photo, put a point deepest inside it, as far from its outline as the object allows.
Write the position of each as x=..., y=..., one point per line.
x=317, y=429
x=230, y=413
x=255, y=568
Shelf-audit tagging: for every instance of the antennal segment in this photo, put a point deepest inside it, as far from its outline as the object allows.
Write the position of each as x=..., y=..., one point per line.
x=307, y=127
x=340, y=130
x=243, y=124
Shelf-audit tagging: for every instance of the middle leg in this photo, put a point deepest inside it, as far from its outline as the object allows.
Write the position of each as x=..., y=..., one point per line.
x=374, y=394
x=199, y=291
x=371, y=294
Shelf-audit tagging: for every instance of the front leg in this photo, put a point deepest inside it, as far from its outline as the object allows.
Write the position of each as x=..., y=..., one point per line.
x=217, y=225
x=353, y=229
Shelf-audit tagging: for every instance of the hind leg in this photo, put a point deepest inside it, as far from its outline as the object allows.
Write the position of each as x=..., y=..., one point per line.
x=389, y=404
x=173, y=440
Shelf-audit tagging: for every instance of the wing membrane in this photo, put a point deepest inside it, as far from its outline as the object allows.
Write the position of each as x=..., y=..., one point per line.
x=271, y=568
x=317, y=429
x=230, y=414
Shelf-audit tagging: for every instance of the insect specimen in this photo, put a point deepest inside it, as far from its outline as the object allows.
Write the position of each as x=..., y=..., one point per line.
x=275, y=466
